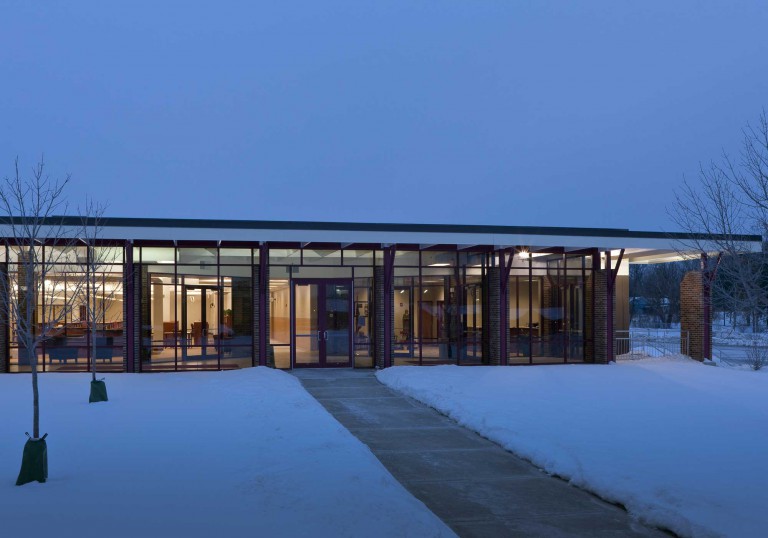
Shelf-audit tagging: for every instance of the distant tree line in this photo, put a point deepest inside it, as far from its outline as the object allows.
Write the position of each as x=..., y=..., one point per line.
x=655, y=293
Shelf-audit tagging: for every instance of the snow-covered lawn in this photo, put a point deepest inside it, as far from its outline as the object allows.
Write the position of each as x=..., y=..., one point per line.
x=680, y=444
x=242, y=453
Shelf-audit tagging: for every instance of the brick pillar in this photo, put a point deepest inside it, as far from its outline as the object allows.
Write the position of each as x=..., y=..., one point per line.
x=142, y=330
x=263, y=350
x=546, y=305
x=4, y=343
x=256, y=314
x=589, y=333
x=694, y=300
x=601, y=337
x=494, y=316
x=379, y=335
x=128, y=351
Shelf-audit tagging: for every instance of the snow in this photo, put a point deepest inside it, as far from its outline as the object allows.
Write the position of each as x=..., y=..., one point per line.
x=682, y=445
x=196, y=454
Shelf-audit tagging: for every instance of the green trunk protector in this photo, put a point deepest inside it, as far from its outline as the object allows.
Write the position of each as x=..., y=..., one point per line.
x=34, y=463
x=98, y=391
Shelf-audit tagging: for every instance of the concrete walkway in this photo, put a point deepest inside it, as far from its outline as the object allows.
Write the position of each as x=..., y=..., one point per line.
x=475, y=486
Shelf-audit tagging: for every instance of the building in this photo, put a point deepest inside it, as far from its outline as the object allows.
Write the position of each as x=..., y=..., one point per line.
x=183, y=294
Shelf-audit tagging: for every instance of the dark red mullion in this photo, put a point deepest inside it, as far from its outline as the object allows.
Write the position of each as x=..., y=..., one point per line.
x=291, y=316
x=504, y=272
x=708, y=275
x=176, y=324
x=461, y=295
x=220, y=305
x=351, y=321
x=322, y=315
x=561, y=287
x=517, y=311
x=389, y=269
x=88, y=335
x=611, y=276
x=530, y=309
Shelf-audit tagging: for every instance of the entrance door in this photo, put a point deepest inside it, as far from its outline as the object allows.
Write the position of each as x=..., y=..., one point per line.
x=199, y=320
x=322, y=323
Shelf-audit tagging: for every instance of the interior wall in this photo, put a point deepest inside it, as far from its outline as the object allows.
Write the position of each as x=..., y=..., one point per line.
x=158, y=310
x=361, y=305
x=402, y=305
x=280, y=315
x=621, y=313
x=525, y=319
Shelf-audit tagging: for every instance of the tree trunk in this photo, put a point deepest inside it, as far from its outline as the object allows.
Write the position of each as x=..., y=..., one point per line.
x=92, y=320
x=35, y=398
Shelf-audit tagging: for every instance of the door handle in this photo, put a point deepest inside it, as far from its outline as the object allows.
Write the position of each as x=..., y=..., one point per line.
x=318, y=336
x=325, y=335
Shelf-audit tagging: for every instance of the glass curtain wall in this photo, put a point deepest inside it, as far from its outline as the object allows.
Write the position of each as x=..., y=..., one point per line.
x=547, y=308
x=471, y=308
x=197, y=307
x=295, y=277
x=438, y=305
x=71, y=298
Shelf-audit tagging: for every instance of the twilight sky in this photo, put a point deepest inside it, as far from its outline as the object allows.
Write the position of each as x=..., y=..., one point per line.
x=438, y=111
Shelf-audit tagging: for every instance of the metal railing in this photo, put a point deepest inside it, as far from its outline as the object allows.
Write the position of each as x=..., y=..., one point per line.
x=637, y=343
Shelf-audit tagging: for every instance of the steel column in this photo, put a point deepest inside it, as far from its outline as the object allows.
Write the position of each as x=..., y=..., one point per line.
x=707, y=277
x=505, y=268
x=611, y=285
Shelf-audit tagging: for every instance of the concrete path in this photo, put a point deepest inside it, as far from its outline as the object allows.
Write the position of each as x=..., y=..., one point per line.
x=475, y=486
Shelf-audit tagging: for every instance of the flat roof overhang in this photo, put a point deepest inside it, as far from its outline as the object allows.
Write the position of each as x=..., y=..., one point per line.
x=639, y=246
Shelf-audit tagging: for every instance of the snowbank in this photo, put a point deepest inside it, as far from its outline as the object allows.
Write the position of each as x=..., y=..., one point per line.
x=680, y=444
x=196, y=454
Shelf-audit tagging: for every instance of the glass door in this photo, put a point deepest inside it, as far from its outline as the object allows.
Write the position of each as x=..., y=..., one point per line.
x=322, y=323
x=199, y=321
x=575, y=321
x=337, y=324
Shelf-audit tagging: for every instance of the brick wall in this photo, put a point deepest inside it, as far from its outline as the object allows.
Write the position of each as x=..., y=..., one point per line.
x=126, y=290
x=547, y=324
x=257, y=313
x=141, y=314
x=692, y=305
x=4, y=343
x=589, y=336
x=601, y=342
x=378, y=316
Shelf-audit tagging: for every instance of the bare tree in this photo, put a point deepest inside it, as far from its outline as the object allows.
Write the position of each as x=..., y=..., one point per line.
x=729, y=202
x=757, y=356
x=658, y=285
x=33, y=305
x=102, y=288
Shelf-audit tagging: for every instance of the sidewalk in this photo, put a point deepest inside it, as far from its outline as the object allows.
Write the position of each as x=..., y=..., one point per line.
x=472, y=484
